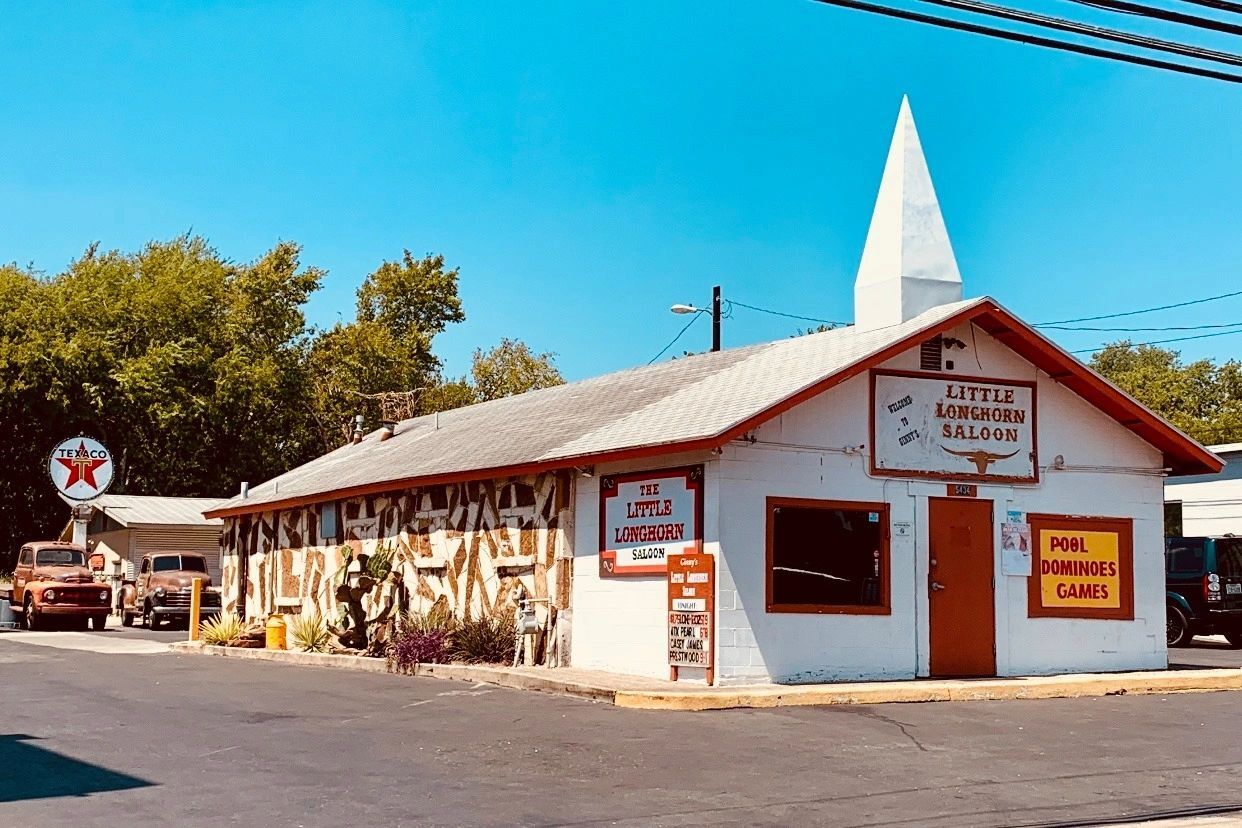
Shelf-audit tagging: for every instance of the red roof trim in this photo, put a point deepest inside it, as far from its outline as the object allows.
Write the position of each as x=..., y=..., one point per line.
x=1181, y=454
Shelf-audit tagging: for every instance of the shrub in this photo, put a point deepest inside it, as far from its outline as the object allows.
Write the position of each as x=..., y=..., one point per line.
x=438, y=619
x=222, y=631
x=310, y=633
x=484, y=641
x=412, y=646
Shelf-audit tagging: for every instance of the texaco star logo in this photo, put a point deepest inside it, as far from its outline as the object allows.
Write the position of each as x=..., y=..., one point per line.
x=81, y=468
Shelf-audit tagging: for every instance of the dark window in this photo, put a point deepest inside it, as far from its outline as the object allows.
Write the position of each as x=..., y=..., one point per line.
x=173, y=563
x=1229, y=557
x=825, y=556
x=1184, y=557
x=27, y=557
x=60, y=557
x=1173, y=519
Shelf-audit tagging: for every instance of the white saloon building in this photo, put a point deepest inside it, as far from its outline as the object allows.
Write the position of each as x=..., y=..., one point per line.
x=937, y=490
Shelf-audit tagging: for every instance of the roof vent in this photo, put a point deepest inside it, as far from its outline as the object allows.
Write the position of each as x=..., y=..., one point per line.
x=387, y=430
x=931, y=354
x=359, y=422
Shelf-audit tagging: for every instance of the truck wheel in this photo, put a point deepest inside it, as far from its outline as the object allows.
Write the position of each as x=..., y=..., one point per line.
x=1234, y=639
x=127, y=618
x=1177, y=628
x=99, y=622
x=31, y=615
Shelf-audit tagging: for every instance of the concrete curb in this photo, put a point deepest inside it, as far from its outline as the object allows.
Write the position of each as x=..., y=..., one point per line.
x=1041, y=687
x=699, y=699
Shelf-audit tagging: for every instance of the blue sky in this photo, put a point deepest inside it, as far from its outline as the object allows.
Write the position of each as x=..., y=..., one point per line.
x=588, y=164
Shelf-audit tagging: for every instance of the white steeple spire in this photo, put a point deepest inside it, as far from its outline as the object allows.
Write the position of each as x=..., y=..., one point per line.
x=907, y=263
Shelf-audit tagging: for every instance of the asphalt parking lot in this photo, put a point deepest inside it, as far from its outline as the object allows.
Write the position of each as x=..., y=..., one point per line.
x=1208, y=651
x=161, y=739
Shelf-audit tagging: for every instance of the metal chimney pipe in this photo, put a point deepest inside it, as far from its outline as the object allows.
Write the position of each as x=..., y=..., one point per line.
x=245, y=489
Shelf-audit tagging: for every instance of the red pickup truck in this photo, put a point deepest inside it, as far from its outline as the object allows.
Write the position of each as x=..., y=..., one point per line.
x=52, y=581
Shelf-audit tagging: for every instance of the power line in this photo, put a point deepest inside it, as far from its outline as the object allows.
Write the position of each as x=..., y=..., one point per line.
x=1219, y=5
x=1035, y=40
x=1100, y=32
x=1137, y=312
x=1137, y=330
x=693, y=319
x=1159, y=341
x=1163, y=14
x=786, y=315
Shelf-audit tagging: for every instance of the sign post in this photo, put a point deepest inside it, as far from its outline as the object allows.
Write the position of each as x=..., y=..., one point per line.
x=691, y=613
x=81, y=470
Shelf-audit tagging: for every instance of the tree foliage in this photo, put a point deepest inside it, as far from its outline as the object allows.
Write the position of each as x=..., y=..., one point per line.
x=1202, y=398
x=199, y=372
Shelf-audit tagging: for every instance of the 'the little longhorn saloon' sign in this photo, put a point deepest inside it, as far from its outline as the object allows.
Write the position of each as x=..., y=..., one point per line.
x=951, y=426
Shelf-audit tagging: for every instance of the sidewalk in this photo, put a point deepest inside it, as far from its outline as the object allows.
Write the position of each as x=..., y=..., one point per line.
x=652, y=694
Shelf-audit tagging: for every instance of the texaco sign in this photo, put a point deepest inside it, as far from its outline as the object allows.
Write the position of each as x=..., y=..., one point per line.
x=81, y=468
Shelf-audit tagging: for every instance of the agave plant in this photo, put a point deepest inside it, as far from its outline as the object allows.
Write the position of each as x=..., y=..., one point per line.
x=310, y=633
x=222, y=631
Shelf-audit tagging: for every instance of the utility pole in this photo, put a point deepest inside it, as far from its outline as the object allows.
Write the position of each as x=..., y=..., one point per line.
x=716, y=318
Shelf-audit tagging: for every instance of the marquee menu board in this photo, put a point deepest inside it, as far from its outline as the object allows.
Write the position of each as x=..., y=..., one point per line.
x=646, y=516
x=944, y=426
x=1082, y=568
x=691, y=611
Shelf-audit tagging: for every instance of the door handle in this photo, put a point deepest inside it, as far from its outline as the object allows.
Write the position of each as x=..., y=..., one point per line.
x=935, y=586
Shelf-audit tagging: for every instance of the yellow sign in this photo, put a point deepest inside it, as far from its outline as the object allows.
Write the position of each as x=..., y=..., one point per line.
x=1079, y=569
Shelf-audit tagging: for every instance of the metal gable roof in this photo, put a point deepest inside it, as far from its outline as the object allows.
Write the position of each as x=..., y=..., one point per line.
x=693, y=403
x=132, y=510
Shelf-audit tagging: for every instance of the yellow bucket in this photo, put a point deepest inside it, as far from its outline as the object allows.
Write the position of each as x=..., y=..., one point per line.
x=276, y=632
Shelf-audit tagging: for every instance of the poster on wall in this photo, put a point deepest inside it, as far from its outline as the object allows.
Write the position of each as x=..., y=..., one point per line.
x=1015, y=548
x=965, y=428
x=691, y=611
x=1082, y=568
x=646, y=516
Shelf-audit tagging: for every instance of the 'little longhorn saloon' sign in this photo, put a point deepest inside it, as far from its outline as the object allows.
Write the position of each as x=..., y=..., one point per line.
x=953, y=427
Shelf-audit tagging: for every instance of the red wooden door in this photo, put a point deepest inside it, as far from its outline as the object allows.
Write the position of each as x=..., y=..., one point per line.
x=961, y=588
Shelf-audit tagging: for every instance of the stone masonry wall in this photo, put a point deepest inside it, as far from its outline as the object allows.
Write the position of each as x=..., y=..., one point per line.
x=467, y=544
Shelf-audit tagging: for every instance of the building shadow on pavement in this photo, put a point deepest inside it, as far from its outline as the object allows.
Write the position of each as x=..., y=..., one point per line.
x=28, y=771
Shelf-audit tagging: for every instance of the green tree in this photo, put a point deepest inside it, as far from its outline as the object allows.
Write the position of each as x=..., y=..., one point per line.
x=188, y=366
x=504, y=370
x=512, y=368
x=381, y=363
x=1201, y=398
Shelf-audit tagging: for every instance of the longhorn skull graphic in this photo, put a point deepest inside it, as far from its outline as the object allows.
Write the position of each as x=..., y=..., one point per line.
x=982, y=459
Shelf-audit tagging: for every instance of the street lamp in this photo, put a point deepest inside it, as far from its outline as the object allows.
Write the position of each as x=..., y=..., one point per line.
x=714, y=311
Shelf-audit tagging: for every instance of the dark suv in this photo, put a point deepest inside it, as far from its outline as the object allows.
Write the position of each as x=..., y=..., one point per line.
x=1203, y=583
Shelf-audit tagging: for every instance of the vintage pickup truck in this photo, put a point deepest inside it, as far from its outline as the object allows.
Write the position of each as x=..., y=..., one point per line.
x=161, y=591
x=52, y=581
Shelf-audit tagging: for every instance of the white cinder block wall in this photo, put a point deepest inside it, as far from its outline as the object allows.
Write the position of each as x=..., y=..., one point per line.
x=787, y=647
x=620, y=625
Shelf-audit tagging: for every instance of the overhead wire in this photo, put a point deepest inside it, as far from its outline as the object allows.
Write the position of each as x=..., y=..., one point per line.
x=1140, y=311
x=1089, y=30
x=1034, y=40
x=673, y=341
x=1156, y=13
x=1238, y=330
x=1219, y=5
x=786, y=315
